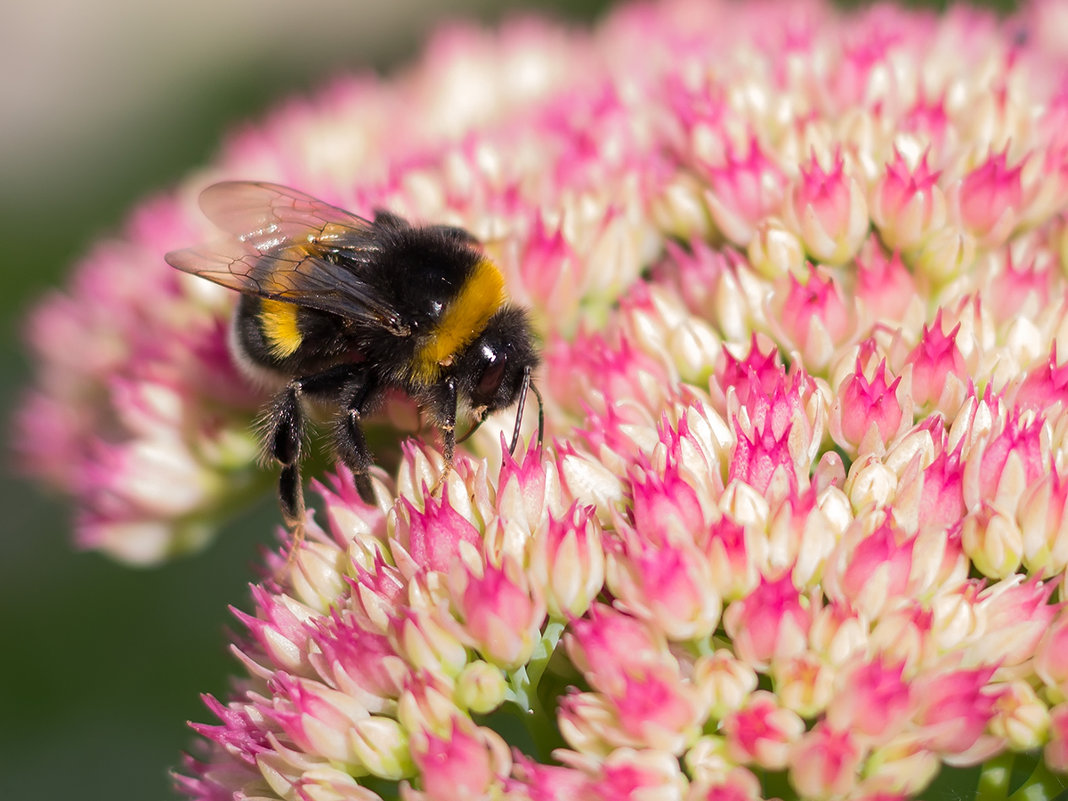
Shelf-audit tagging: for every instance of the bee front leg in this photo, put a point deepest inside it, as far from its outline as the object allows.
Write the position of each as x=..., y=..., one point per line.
x=448, y=425
x=448, y=430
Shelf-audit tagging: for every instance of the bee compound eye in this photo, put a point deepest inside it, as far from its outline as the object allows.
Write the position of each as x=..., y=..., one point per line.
x=490, y=380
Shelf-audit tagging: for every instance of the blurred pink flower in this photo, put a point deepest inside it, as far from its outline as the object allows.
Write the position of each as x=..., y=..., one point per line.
x=798, y=525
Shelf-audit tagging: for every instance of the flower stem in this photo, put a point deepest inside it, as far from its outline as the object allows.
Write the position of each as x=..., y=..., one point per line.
x=523, y=691
x=1041, y=785
x=994, y=779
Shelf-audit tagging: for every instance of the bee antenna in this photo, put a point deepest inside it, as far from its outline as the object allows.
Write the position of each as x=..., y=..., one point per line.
x=527, y=384
x=541, y=414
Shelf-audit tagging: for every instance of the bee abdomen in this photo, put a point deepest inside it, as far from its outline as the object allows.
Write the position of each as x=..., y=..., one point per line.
x=254, y=349
x=281, y=328
x=272, y=339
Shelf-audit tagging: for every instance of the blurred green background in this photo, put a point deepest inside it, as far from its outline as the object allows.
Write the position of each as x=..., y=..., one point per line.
x=105, y=102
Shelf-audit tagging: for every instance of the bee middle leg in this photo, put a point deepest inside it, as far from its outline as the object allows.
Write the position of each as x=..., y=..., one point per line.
x=285, y=437
x=348, y=434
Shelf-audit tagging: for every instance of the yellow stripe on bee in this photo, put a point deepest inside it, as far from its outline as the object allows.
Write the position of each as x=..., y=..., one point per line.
x=481, y=295
x=279, y=321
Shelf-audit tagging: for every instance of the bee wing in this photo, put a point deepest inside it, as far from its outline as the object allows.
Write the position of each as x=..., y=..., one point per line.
x=281, y=247
x=264, y=215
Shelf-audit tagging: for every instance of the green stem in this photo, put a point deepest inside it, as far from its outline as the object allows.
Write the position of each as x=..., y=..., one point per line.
x=523, y=691
x=519, y=689
x=994, y=779
x=1041, y=785
x=539, y=660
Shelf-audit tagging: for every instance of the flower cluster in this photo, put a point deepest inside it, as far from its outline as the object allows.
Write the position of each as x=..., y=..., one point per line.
x=799, y=528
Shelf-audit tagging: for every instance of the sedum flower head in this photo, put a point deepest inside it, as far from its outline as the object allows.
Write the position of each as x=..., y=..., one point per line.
x=798, y=527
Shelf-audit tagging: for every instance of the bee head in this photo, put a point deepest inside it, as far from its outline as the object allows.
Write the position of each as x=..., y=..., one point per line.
x=490, y=371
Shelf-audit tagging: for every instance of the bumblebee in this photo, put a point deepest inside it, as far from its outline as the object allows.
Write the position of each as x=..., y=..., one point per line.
x=338, y=310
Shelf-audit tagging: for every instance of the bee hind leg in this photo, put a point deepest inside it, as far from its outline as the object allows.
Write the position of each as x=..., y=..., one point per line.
x=285, y=444
x=285, y=436
x=291, y=496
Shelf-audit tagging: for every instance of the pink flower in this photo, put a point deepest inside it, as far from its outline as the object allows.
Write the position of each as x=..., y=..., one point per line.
x=773, y=436
x=1044, y=386
x=568, y=561
x=989, y=199
x=813, y=317
x=360, y=662
x=434, y=536
x=653, y=708
x=668, y=585
x=1051, y=657
x=826, y=207
x=762, y=733
x=743, y=190
x=1011, y=460
x=871, y=568
x=1021, y=718
x=279, y=629
x=871, y=700
x=632, y=775
x=1021, y=612
x=938, y=369
x=549, y=783
x=798, y=513
x=1042, y=523
x=884, y=286
x=741, y=785
x=467, y=762
x=660, y=578
x=317, y=718
x=1056, y=751
x=769, y=624
x=730, y=557
x=826, y=760
x=953, y=711
x=908, y=203
x=1021, y=287
x=942, y=503
x=606, y=644
x=428, y=641
x=868, y=413
x=500, y=612
x=605, y=370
